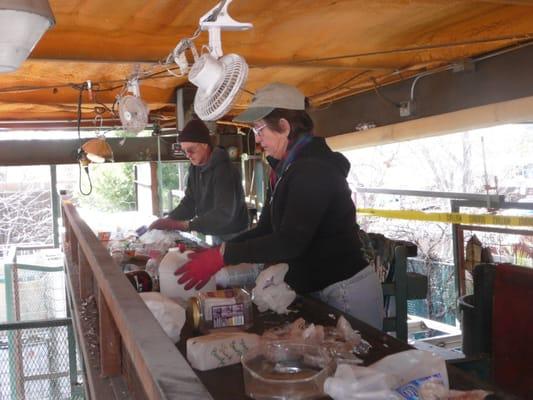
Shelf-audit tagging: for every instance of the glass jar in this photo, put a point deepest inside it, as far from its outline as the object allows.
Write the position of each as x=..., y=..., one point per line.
x=229, y=309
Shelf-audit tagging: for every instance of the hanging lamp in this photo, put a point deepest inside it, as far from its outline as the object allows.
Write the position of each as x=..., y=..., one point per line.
x=22, y=24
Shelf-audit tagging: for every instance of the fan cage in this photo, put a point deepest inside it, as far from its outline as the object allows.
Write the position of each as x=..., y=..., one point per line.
x=214, y=106
x=138, y=112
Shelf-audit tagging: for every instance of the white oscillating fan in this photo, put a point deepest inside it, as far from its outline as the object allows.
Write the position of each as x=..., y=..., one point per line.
x=132, y=111
x=218, y=78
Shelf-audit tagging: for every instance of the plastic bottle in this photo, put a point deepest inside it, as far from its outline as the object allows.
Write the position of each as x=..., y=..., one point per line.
x=168, y=282
x=240, y=275
x=152, y=267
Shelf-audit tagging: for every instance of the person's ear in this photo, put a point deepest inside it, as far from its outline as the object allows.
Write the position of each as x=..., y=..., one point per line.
x=285, y=127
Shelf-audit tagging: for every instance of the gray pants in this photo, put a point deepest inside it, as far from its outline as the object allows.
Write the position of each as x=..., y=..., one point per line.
x=361, y=296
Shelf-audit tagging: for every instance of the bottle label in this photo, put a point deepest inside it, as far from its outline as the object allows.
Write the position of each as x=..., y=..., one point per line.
x=228, y=315
x=409, y=391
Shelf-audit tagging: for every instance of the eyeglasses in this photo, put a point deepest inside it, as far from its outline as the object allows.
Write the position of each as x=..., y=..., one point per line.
x=257, y=131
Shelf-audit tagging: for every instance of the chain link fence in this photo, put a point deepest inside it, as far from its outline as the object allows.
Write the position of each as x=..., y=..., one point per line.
x=38, y=354
x=38, y=361
x=441, y=303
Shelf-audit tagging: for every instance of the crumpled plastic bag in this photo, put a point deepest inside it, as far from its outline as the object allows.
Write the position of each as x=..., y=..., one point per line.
x=352, y=382
x=409, y=375
x=170, y=315
x=159, y=239
x=341, y=342
x=271, y=292
x=398, y=376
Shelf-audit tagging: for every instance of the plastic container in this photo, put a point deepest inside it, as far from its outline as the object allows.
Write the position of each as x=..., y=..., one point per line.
x=168, y=282
x=222, y=310
x=240, y=275
x=284, y=370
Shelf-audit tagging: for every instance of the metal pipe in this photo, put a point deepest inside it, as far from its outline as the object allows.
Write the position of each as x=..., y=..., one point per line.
x=507, y=231
x=446, y=195
x=35, y=324
x=54, y=195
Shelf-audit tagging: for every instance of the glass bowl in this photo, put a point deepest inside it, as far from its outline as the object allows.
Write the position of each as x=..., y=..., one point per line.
x=286, y=370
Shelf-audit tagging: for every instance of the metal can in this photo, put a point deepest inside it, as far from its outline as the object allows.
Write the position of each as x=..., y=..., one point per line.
x=195, y=312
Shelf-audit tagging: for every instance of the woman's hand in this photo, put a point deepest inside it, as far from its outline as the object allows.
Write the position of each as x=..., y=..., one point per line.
x=203, y=265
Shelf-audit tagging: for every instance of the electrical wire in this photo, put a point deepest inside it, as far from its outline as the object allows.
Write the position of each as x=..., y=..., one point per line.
x=340, y=85
x=81, y=154
x=521, y=38
x=382, y=96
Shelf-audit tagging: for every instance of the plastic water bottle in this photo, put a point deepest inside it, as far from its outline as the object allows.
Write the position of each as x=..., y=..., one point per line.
x=240, y=275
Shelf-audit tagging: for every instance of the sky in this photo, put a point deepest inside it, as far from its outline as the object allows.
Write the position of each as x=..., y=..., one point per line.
x=405, y=165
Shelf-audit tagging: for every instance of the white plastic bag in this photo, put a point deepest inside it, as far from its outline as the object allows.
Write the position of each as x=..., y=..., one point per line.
x=411, y=368
x=271, y=292
x=169, y=314
x=395, y=377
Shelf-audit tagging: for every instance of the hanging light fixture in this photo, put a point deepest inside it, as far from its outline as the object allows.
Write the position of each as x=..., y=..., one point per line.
x=98, y=150
x=22, y=24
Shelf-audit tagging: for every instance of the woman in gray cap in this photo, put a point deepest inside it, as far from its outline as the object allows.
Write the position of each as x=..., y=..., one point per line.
x=308, y=220
x=214, y=198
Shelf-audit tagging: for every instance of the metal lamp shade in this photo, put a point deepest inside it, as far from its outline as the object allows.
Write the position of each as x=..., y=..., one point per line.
x=98, y=150
x=22, y=24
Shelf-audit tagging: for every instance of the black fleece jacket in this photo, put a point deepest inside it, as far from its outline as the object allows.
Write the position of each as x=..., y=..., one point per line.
x=214, y=198
x=309, y=223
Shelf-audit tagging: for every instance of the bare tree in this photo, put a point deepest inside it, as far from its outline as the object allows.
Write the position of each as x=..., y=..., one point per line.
x=25, y=217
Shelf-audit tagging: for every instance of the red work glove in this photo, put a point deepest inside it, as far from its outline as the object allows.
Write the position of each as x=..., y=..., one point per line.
x=169, y=224
x=201, y=268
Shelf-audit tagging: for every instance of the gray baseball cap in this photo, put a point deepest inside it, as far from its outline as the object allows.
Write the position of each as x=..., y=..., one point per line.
x=269, y=97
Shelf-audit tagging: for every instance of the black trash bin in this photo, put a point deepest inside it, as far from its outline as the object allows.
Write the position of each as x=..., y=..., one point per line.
x=468, y=325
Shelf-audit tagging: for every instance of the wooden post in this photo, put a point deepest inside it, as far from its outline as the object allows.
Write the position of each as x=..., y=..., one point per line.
x=110, y=352
x=73, y=241
x=155, y=189
x=85, y=277
x=461, y=260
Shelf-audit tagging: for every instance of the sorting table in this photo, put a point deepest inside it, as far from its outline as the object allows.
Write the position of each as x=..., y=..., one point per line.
x=226, y=383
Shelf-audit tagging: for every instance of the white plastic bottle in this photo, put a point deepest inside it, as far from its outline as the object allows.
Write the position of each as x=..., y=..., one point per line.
x=240, y=275
x=168, y=282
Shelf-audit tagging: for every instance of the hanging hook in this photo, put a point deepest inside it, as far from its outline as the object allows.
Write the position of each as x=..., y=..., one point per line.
x=99, y=123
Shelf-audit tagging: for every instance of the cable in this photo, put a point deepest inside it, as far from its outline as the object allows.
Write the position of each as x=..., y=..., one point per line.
x=524, y=37
x=340, y=85
x=86, y=168
x=381, y=96
x=81, y=154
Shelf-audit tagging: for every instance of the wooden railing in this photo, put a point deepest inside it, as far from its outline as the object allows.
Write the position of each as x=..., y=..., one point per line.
x=132, y=349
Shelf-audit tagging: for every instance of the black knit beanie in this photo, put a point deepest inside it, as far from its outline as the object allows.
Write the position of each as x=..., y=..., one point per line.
x=194, y=131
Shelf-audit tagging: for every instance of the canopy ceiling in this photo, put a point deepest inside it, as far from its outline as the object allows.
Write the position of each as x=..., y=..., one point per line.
x=329, y=49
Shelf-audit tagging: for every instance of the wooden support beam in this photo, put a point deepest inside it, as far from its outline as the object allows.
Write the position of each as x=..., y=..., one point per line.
x=514, y=111
x=156, y=210
x=495, y=80
x=85, y=277
x=53, y=152
x=74, y=249
x=110, y=352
